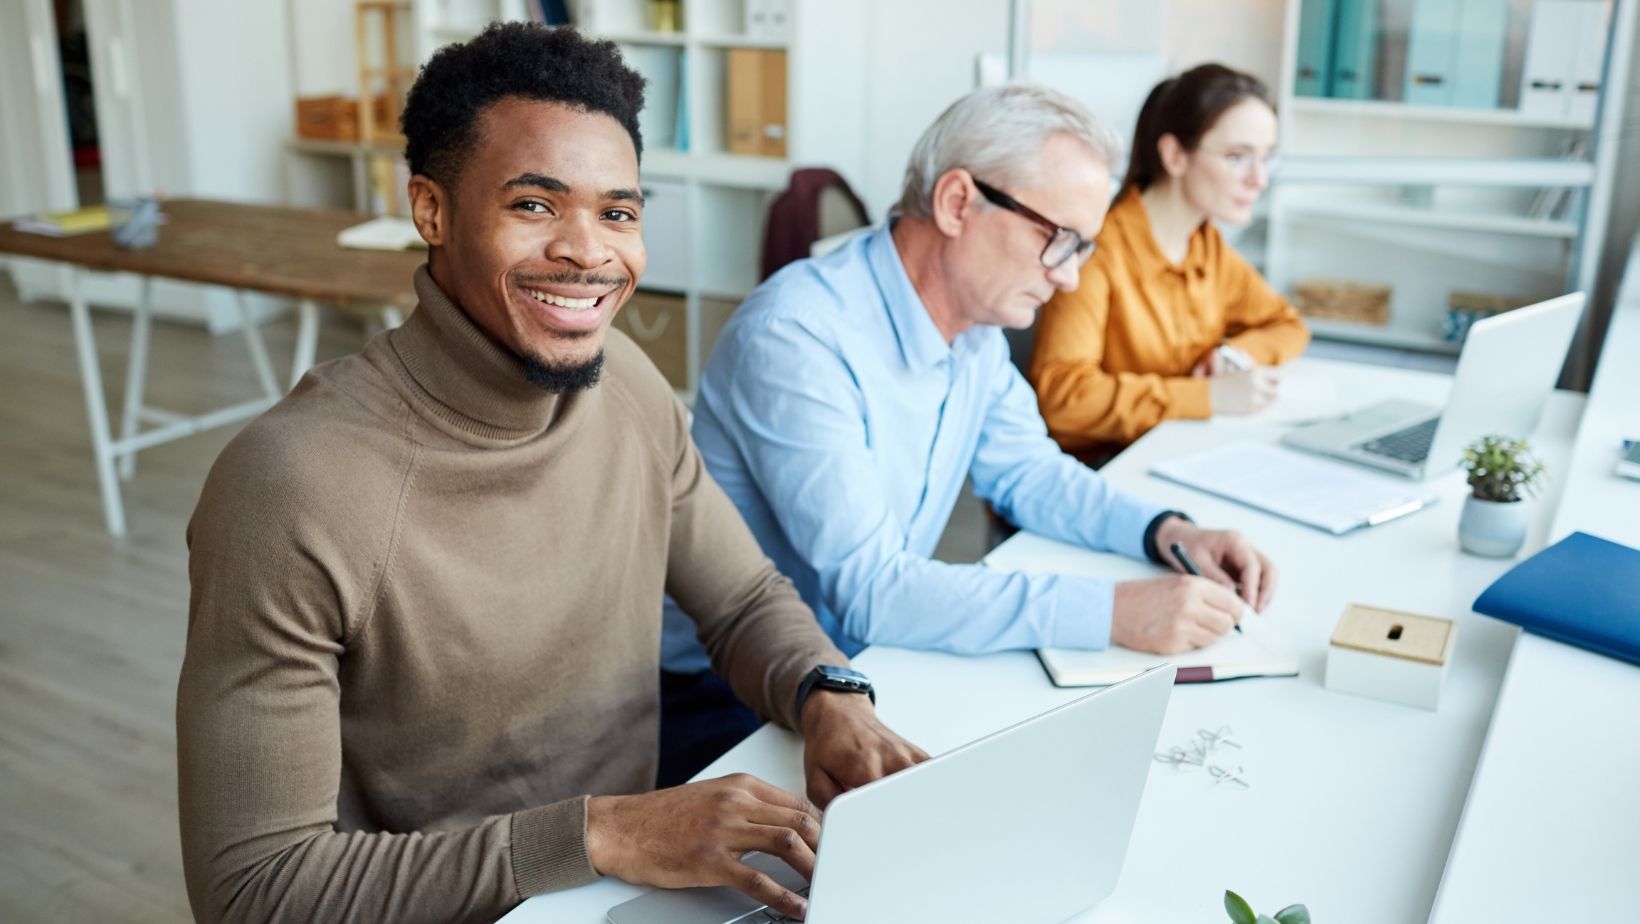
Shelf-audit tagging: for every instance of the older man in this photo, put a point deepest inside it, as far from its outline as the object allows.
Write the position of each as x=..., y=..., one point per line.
x=851, y=395
x=421, y=661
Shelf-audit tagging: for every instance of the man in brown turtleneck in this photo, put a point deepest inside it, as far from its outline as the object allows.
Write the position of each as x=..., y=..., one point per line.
x=423, y=637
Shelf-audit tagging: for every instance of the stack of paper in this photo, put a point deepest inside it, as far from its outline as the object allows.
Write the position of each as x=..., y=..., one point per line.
x=384, y=233
x=64, y=224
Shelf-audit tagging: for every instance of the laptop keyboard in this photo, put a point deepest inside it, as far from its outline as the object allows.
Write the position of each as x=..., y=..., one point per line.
x=770, y=916
x=1407, y=445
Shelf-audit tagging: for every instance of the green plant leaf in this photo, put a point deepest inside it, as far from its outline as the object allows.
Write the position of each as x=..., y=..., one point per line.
x=1293, y=914
x=1265, y=919
x=1240, y=911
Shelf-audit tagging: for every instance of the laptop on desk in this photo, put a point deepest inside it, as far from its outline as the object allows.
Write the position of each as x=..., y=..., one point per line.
x=1505, y=375
x=1030, y=824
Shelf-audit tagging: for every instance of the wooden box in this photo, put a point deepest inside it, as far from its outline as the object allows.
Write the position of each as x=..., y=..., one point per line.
x=1336, y=300
x=1384, y=654
x=658, y=323
x=327, y=118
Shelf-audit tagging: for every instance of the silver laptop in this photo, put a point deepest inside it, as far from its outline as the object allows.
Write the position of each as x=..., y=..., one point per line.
x=1506, y=373
x=1029, y=824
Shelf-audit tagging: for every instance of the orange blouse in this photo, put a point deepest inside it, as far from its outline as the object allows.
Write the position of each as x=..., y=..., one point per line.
x=1113, y=358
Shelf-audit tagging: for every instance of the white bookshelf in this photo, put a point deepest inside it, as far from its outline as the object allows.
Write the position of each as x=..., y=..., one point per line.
x=1430, y=199
x=707, y=207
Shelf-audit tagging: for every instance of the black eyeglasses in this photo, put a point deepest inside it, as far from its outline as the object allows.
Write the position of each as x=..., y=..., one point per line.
x=1063, y=243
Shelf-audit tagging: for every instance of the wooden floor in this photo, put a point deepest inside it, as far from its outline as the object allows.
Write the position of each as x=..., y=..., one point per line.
x=91, y=628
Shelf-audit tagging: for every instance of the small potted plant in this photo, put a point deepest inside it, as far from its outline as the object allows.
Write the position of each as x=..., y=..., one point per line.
x=1242, y=913
x=1502, y=472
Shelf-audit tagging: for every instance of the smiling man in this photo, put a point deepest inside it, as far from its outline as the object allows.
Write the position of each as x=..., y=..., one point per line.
x=850, y=396
x=420, y=679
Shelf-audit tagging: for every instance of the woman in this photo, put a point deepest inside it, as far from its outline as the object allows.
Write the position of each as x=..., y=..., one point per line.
x=1169, y=321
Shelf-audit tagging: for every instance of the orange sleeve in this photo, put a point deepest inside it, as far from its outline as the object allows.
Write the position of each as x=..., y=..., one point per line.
x=1258, y=319
x=1085, y=405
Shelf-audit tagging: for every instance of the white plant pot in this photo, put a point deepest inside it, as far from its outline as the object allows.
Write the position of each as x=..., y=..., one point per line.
x=1494, y=529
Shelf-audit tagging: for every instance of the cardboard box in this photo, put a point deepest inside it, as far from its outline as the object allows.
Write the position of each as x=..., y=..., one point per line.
x=658, y=323
x=1388, y=655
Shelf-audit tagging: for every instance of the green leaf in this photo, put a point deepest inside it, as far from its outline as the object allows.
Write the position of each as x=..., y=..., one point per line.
x=1240, y=911
x=1265, y=919
x=1293, y=914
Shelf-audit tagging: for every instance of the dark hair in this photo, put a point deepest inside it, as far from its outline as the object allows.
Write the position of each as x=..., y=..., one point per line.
x=514, y=59
x=1186, y=107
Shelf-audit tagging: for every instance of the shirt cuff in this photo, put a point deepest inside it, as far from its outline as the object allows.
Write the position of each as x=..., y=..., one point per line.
x=1082, y=611
x=549, y=848
x=1192, y=398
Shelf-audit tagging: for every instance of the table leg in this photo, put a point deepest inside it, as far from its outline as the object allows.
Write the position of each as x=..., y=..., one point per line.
x=307, y=339
x=95, y=407
x=136, y=376
x=258, y=350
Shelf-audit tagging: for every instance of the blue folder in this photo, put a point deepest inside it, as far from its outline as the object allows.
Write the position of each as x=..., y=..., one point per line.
x=1583, y=591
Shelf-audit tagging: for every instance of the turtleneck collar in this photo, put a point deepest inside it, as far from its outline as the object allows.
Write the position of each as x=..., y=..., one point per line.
x=473, y=384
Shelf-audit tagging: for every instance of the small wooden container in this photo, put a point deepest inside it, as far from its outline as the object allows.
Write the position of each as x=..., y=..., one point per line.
x=1384, y=654
x=1359, y=303
x=327, y=118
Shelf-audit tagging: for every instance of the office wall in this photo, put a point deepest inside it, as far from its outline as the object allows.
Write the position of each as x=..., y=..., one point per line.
x=236, y=92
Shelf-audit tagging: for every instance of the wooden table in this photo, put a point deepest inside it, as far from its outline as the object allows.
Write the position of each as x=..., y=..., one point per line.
x=246, y=248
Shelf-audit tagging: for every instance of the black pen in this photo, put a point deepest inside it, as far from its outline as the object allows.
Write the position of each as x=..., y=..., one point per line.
x=1189, y=566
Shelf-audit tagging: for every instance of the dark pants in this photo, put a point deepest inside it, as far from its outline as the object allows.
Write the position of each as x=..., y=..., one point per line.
x=700, y=719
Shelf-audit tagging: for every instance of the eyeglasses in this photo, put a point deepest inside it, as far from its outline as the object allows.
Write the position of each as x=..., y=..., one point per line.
x=1241, y=162
x=1063, y=243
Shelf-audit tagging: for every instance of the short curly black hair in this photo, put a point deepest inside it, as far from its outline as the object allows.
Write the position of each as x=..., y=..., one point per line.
x=521, y=59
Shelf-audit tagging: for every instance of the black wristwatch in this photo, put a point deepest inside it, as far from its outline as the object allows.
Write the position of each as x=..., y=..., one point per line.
x=840, y=679
x=1151, y=551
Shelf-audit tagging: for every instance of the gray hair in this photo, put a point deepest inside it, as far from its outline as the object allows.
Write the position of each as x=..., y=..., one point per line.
x=998, y=133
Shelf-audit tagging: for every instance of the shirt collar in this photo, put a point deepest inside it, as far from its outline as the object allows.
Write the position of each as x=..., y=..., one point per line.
x=921, y=343
x=1132, y=224
x=475, y=384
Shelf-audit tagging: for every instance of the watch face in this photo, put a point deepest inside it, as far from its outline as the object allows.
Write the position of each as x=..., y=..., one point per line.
x=844, y=674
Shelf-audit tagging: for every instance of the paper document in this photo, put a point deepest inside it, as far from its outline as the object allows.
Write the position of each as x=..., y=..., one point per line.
x=1257, y=651
x=1329, y=496
x=384, y=233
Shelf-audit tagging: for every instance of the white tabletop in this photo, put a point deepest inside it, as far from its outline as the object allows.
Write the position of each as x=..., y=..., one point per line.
x=1555, y=804
x=1353, y=802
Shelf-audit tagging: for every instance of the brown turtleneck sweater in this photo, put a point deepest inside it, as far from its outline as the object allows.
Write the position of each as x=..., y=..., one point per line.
x=424, y=627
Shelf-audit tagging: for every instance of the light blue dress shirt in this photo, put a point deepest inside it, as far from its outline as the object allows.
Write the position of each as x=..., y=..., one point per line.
x=841, y=423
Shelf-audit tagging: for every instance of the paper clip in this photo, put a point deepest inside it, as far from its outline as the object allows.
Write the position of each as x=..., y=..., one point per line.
x=1213, y=739
x=1180, y=758
x=1221, y=775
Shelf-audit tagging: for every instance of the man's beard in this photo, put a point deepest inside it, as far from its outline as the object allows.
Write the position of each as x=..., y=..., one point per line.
x=563, y=378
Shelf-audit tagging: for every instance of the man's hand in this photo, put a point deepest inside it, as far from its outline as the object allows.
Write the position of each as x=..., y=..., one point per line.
x=1224, y=556
x=696, y=834
x=845, y=746
x=1171, y=615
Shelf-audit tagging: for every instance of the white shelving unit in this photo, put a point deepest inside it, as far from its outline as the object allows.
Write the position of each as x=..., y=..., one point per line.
x=707, y=207
x=1431, y=199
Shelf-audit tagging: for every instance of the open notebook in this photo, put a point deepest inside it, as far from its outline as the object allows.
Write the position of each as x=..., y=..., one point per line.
x=1256, y=651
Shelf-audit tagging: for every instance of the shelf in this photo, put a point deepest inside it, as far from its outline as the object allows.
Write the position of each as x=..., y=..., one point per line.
x=343, y=148
x=1385, y=336
x=1437, y=171
x=730, y=40
x=1393, y=110
x=642, y=37
x=769, y=173
x=1389, y=213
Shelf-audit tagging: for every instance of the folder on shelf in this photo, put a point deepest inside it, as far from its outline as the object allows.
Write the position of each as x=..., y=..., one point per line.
x=756, y=102
x=1355, y=47
x=1455, y=53
x=1313, y=68
x=1583, y=591
x=1334, y=497
x=1565, y=57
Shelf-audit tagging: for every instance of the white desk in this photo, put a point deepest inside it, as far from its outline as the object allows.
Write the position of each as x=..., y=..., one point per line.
x=1551, y=831
x=1353, y=802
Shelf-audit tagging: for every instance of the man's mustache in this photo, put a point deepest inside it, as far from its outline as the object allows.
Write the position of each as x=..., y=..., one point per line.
x=566, y=277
